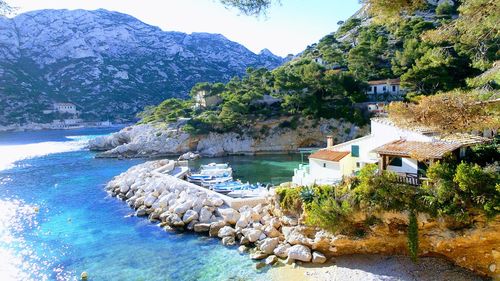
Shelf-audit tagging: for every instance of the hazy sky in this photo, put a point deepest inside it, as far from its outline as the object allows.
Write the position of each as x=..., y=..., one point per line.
x=288, y=28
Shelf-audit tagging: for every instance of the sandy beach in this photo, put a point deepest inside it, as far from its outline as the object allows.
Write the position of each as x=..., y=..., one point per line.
x=375, y=268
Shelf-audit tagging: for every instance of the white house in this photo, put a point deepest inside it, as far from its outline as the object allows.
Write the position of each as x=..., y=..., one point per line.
x=407, y=152
x=65, y=108
x=387, y=89
x=204, y=99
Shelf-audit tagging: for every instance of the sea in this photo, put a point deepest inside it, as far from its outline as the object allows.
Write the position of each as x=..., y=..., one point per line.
x=57, y=221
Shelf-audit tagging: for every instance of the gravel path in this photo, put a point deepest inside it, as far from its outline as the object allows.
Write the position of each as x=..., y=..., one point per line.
x=377, y=268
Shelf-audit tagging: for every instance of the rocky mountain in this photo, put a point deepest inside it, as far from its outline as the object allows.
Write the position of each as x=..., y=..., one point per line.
x=109, y=64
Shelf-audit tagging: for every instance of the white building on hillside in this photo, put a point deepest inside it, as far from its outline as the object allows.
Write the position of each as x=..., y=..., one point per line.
x=407, y=152
x=204, y=99
x=65, y=107
x=388, y=89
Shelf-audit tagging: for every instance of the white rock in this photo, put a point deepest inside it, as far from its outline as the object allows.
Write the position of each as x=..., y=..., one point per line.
x=150, y=200
x=253, y=235
x=226, y=231
x=182, y=208
x=229, y=215
x=300, y=252
x=242, y=222
x=268, y=245
x=272, y=232
x=282, y=250
x=189, y=216
x=205, y=214
x=318, y=257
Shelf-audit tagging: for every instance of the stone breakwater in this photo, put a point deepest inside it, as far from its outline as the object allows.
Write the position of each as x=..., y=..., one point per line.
x=175, y=204
x=165, y=140
x=270, y=236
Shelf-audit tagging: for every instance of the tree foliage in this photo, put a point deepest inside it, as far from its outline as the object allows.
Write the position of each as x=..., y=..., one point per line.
x=450, y=112
x=6, y=9
x=250, y=7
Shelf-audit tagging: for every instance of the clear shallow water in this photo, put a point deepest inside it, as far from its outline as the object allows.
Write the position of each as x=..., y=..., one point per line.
x=275, y=168
x=56, y=220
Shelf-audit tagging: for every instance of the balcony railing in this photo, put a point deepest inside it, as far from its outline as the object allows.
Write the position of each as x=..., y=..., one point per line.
x=409, y=178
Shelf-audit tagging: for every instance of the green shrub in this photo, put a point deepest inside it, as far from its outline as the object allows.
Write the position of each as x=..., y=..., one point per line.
x=307, y=195
x=329, y=213
x=413, y=236
x=445, y=9
x=289, y=198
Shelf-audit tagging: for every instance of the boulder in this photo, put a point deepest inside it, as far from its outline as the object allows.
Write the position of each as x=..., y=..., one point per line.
x=215, y=227
x=141, y=211
x=258, y=255
x=282, y=250
x=300, y=252
x=272, y=259
x=189, y=156
x=205, y=214
x=242, y=222
x=268, y=245
x=175, y=220
x=252, y=235
x=189, y=216
x=260, y=265
x=229, y=215
x=275, y=222
x=201, y=227
x=226, y=231
x=228, y=241
x=242, y=249
x=180, y=209
x=244, y=241
x=272, y=232
x=318, y=257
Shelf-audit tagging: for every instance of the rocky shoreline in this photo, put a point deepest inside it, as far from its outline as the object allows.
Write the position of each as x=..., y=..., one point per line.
x=160, y=140
x=174, y=204
x=271, y=237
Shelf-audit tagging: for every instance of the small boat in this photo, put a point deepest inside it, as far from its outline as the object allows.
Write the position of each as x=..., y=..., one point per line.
x=210, y=174
x=230, y=186
x=215, y=180
x=257, y=190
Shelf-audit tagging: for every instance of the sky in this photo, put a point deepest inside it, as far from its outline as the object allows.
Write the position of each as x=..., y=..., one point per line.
x=287, y=29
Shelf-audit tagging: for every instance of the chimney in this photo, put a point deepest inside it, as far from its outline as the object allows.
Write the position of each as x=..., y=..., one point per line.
x=329, y=141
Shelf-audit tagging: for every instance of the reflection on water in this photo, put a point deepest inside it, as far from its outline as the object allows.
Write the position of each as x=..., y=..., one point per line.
x=56, y=221
x=14, y=217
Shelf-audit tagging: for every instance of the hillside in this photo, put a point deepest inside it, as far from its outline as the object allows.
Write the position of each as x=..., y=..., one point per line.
x=109, y=64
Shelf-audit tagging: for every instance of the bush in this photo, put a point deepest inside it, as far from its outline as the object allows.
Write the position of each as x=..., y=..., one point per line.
x=290, y=200
x=455, y=190
x=445, y=9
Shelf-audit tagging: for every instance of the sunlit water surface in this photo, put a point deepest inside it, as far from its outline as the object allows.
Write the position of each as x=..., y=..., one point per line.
x=56, y=220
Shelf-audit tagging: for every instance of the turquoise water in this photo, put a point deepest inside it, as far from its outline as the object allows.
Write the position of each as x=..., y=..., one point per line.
x=56, y=219
x=275, y=169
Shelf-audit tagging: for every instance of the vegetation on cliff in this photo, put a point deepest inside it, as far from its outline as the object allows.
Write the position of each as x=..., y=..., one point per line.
x=433, y=49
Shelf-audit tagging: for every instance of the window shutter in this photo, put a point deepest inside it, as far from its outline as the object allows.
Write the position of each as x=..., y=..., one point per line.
x=354, y=150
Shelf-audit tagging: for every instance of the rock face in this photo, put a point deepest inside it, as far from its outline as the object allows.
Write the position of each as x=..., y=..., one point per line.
x=108, y=63
x=150, y=140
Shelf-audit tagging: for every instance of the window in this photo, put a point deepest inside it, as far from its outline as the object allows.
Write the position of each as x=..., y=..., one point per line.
x=393, y=88
x=384, y=88
x=355, y=150
x=396, y=161
x=324, y=165
x=358, y=164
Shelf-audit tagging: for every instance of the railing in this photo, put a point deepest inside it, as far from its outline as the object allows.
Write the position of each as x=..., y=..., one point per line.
x=408, y=178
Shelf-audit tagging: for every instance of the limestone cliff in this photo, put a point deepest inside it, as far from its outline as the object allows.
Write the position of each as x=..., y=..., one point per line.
x=152, y=141
x=475, y=247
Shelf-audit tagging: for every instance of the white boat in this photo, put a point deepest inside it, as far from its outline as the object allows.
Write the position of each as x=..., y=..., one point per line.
x=250, y=192
x=215, y=180
x=211, y=174
x=230, y=186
